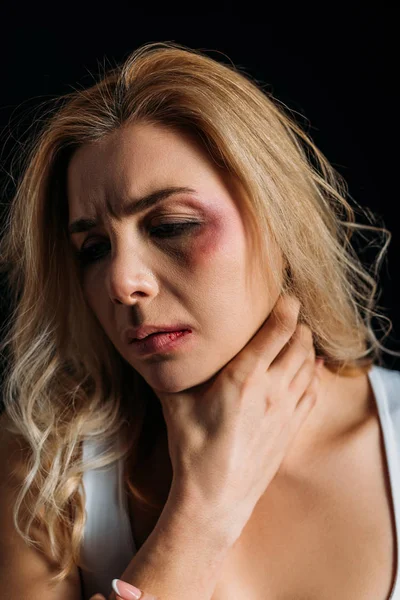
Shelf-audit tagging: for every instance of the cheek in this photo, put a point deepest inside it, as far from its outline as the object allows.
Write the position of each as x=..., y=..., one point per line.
x=221, y=240
x=93, y=290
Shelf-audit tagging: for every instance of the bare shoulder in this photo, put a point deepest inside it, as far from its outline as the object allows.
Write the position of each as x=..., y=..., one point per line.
x=24, y=571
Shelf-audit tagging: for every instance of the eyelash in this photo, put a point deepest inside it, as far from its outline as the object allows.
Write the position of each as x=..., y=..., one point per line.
x=85, y=254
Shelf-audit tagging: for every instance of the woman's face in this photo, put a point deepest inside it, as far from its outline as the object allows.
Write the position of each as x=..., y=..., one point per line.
x=143, y=272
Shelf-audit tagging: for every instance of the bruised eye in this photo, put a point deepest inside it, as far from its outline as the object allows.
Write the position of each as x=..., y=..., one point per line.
x=91, y=253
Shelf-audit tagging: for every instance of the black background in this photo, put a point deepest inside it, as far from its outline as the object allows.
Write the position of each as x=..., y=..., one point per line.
x=335, y=66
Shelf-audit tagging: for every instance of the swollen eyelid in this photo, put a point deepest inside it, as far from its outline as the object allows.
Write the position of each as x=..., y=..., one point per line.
x=88, y=254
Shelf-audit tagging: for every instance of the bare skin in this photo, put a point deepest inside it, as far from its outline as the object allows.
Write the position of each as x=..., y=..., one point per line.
x=323, y=528
x=326, y=518
x=140, y=275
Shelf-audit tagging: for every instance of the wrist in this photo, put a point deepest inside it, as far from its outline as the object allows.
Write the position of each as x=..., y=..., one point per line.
x=185, y=517
x=184, y=552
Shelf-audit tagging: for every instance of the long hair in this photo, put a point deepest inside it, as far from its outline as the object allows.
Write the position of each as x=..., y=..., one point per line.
x=65, y=381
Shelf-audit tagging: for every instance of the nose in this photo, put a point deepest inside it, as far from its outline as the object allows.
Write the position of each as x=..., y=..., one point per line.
x=130, y=282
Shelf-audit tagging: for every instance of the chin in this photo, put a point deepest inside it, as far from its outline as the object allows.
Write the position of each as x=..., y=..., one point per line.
x=174, y=385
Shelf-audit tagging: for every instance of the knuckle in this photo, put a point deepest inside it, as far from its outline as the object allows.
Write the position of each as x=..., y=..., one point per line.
x=236, y=376
x=271, y=402
x=278, y=399
x=285, y=327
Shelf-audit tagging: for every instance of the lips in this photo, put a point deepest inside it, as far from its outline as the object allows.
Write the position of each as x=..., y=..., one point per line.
x=146, y=330
x=150, y=334
x=156, y=333
x=161, y=342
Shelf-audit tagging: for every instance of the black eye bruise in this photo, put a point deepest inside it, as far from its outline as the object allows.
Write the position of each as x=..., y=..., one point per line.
x=85, y=256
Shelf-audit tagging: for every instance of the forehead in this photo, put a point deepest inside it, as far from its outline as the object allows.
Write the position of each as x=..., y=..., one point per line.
x=132, y=162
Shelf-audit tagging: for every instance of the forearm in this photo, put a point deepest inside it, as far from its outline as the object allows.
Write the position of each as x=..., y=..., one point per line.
x=182, y=558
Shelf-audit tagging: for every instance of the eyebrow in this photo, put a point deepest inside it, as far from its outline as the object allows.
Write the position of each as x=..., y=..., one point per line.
x=130, y=208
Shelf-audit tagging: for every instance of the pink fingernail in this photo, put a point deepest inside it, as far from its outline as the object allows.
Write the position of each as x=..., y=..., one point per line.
x=125, y=590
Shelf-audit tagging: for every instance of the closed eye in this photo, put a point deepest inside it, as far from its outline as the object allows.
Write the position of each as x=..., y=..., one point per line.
x=89, y=254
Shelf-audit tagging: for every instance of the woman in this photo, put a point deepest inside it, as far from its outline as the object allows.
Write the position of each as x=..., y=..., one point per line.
x=215, y=459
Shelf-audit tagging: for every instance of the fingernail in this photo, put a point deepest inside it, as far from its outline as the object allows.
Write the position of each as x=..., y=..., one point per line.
x=125, y=590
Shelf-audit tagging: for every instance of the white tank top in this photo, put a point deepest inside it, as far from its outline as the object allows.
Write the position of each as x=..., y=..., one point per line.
x=108, y=545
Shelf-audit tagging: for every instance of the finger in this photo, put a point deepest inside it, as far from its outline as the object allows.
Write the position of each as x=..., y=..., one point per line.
x=304, y=377
x=262, y=349
x=97, y=597
x=299, y=352
x=127, y=591
x=305, y=405
x=142, y=597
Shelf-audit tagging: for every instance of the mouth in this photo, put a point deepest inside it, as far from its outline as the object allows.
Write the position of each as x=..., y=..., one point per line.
x=150, y=335
x=160, y=341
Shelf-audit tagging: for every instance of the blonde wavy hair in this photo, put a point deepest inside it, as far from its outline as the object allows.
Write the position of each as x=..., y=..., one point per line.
x=65, y=381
